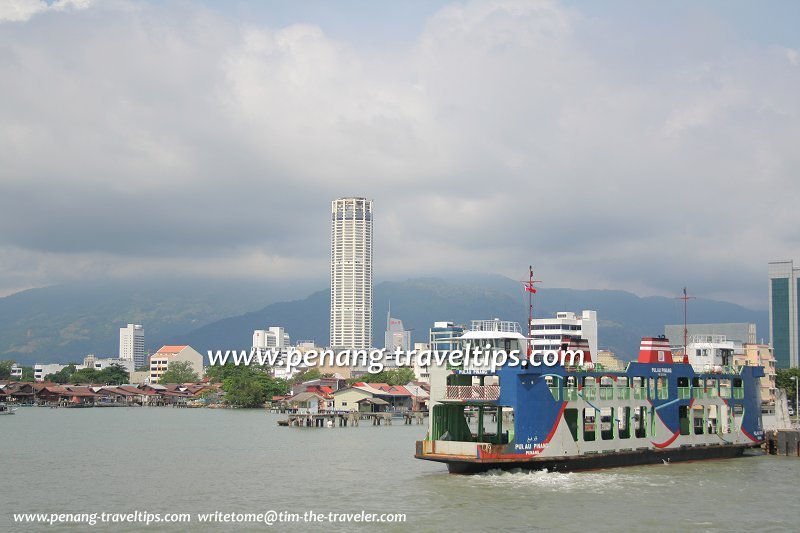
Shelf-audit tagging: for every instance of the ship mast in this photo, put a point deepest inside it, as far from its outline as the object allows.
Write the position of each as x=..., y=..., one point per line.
x=531, y=290
x=685, y=299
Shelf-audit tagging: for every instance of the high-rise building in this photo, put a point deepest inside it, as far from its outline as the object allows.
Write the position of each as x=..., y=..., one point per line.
x=445, y=336
x=783, y=313
x=131, y=345
x=351, y=273
x=396, y=335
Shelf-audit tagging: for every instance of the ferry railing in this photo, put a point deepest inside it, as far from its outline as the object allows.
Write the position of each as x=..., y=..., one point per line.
x=570, y=393
x=639, y=393
x=663, y=394
x=472, y=392
x=684, y=393
x=724, y=392
x=711, y=392
x=738, y=393
x=554, y=391
x=697, y=393
x=606, y=393
x=624, y=393
x=589, y=393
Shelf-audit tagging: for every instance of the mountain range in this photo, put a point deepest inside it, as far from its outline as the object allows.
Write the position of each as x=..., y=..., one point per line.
x=64, y=323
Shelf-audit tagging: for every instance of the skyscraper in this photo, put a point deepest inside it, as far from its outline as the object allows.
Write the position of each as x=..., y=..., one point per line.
x=131, y=345
x=396, y=335
x=784, y=294
x=351, y=273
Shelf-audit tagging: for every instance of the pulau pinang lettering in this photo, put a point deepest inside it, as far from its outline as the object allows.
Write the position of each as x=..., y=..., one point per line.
x=375, y=360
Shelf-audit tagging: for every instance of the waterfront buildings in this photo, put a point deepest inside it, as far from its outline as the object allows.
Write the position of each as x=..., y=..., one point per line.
x=351, y=273
x=16, y=371
x=40, y=371
x=91, y=361
x=131, y=345
x=784, y=294
x=166, y=355
x=547, y=333
x=375, y=397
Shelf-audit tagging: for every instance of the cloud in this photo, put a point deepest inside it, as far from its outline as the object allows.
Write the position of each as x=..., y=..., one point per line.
x=136, y=139
x=22, y=10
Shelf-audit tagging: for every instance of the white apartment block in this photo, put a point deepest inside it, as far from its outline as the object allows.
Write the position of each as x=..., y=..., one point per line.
x=547, y=333
x=131, y=344
x=351, y=273
x=273, y=337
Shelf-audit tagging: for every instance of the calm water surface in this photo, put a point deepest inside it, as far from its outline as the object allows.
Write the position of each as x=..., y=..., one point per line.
x=202, y=460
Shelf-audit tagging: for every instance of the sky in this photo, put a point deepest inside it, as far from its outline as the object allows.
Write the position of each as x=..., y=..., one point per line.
x=643, y=146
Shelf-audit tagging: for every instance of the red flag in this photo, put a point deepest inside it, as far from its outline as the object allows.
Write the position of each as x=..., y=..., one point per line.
x=530, y=288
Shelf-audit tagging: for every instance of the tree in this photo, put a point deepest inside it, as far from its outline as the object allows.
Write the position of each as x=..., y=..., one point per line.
x=27, y=374
x=247, y=386
x=62, y=376
x=783, y=380
x=243, y=391
x=84, y=375
x=396, y=376
x=306, y=375
x=113, y=374
x=179, y=372
x=5, y=369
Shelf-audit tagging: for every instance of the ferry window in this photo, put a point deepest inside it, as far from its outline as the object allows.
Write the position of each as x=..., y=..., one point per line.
x=639, y=422
x=571, y=417
x=553, y=386
x=698, y=420
x=663, y=388
x=651, y=388
x=624, y=423
x=607, y=424
x=683, y=419
x=652, y=422
x=588, y=424
x=638, y=391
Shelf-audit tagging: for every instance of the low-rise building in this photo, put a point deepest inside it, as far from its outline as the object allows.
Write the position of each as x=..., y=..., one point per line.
x=397, y=398
x=40, y=371
x=166, y=355
x=308, y=402
x=609, y=361
x=761, y=355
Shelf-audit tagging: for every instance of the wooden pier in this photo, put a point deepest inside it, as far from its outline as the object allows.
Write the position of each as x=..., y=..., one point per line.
x=350, y=418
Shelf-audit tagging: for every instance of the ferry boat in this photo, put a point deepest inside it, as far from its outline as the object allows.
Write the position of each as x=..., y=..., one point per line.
x=578, y=417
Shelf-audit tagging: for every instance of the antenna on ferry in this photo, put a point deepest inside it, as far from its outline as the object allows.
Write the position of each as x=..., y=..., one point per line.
x=531, y=290
x=685, y=299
